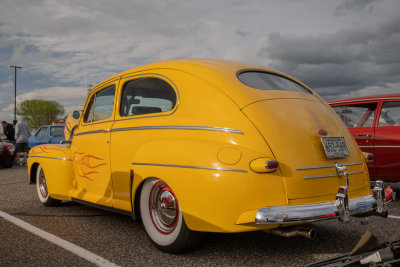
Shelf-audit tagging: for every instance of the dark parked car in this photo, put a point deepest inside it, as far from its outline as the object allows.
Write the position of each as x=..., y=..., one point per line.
x=7, y=154
x=48, y=134
x=374, y=121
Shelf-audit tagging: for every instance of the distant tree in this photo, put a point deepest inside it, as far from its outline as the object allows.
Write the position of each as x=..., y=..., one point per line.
x=38, y=112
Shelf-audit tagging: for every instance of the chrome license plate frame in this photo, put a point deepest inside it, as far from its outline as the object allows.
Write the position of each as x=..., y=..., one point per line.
x=335, y=147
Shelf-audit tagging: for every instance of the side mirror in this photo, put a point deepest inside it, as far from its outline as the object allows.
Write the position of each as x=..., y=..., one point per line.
x=76, y=114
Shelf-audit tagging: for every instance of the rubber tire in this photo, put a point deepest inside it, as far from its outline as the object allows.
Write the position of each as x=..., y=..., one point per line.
x=8, y=165
x=46, y=200
x=180, y=240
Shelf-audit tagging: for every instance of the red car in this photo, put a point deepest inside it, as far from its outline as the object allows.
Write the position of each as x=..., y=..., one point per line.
x=7, y=154
x=374, y=121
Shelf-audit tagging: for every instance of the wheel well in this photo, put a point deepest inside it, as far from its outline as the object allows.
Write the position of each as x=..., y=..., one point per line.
x=32, y=175
x=136, y=203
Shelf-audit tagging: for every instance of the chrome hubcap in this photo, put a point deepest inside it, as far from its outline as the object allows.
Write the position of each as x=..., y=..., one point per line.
x=164, y=208
x=42, y=184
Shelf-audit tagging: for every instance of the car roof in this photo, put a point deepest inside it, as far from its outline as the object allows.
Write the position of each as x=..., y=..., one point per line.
x=219, y=72
x=367, y=98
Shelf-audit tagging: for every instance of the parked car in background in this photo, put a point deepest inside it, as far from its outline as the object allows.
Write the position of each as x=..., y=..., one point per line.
x=201, y=145
x=7, y=154
x=374, y=121
x=48, y=134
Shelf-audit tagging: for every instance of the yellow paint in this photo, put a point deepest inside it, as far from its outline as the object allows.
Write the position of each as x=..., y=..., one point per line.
x=217, y=189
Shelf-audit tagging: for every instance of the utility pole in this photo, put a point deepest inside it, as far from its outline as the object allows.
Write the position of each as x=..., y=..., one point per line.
x=15, y=90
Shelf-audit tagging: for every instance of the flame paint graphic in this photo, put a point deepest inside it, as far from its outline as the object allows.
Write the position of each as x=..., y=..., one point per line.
x=85, y=164
x=43, y=149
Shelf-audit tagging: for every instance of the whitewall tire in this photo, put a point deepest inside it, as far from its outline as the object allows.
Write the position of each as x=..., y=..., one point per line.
x=162, y=218
x=41, y=187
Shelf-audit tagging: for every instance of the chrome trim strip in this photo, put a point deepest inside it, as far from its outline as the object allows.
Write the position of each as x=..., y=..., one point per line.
x=330, y=175
x=362, y=100
x=89, y=132
x=190, y=167
x=379, y=146
x=178, y=127
x=165, y=127
x=94, y=123
x=327, y=166
x=312, y=212
x=50, y=158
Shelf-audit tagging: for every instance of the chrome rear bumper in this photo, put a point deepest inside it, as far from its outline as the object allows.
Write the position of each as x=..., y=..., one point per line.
x=341, y=208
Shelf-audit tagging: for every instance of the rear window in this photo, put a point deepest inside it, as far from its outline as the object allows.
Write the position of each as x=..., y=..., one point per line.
x=269, y=81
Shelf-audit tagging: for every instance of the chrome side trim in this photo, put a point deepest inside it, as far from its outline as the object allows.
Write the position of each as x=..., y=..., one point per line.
x=379, y=146
x=330, y=175
x=312, y=212
x=327, y=166
x=50, y=158
x=362, y=100
x=88, y=132
x=178, y=127
x=190, y=167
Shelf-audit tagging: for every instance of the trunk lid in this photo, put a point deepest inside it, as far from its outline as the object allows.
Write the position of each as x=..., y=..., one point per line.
x=292, y=128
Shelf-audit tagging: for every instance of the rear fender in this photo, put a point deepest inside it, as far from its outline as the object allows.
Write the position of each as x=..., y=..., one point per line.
x=211, y=193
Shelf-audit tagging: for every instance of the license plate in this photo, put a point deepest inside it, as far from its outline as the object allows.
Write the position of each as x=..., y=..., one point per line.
x=335, y=147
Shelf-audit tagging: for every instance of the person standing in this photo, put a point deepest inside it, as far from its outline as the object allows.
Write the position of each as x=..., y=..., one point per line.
x=22, y=136
x=8, y=130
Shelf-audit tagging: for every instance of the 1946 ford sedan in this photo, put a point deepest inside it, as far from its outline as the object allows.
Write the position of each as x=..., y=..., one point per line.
x=197, y=145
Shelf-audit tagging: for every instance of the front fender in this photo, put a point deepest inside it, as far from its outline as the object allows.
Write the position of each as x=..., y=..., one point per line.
x=56, y=162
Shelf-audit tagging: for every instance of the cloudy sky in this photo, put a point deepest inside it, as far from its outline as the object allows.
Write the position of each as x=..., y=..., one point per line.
x=340, y=48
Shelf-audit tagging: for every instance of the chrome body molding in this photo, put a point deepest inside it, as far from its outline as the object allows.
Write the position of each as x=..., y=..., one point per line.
x=190, y=167
x=327, y=166
x=362, y=100
x=330, y=175
x=379, y=146
x=178, y=127
x=164, y=127
x=313, y=212
x=50, y=158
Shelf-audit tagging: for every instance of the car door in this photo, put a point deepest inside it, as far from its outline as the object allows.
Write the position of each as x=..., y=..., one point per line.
x=387, y=141
x=360, y=120
x=91, y=148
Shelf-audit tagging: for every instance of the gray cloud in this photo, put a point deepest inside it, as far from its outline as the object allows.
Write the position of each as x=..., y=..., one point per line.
x=350, y=6
x=347, y=60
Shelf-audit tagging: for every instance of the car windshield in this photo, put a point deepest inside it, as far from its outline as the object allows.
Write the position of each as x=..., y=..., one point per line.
x=269, y=81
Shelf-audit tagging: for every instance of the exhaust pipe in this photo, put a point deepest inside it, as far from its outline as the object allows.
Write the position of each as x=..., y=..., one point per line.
x=293, y=231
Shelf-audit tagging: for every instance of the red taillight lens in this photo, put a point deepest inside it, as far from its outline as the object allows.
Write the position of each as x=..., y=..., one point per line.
x=272, y=164
x=6, y=148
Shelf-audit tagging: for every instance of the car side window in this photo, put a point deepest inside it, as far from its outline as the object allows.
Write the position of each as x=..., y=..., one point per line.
x=42, y=132
x=390, y=114
x=145, y=96
x=57, y=131
x=359, y=115
x=101, y=105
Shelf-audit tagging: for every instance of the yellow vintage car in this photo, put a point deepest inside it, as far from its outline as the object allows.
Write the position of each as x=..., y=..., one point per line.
x=200, y=145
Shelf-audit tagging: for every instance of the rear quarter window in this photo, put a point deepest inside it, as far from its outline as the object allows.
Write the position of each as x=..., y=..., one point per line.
x=269, y=81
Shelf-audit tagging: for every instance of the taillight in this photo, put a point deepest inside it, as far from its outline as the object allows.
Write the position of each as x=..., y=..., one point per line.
x=10, y=148
x=262, y=165
x=272, y=165
x=368, y=157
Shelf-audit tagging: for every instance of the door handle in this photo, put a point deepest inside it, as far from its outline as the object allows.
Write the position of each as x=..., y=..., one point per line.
x=366, y=135
x=105, y=130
